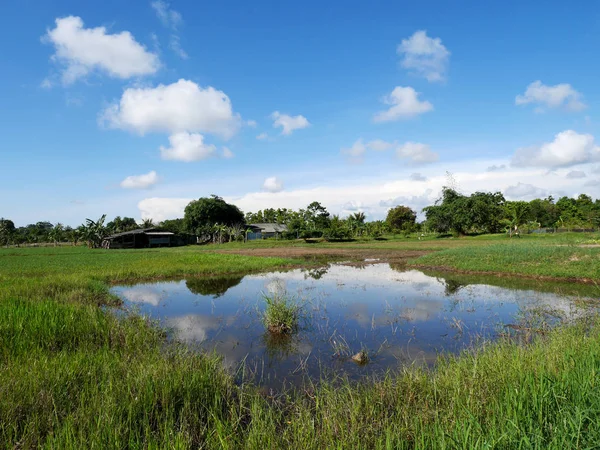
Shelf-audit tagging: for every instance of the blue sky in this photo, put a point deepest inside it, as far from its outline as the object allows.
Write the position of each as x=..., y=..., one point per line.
x=134, y=108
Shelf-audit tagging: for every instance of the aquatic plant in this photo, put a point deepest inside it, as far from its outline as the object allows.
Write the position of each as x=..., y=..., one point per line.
x=281, y=314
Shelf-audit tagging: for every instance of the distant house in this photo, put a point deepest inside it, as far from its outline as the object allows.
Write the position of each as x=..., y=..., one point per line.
x=141, y=238
x=265, y=230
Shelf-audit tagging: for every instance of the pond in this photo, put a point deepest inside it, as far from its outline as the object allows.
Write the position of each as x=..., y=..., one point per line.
x=396, y=316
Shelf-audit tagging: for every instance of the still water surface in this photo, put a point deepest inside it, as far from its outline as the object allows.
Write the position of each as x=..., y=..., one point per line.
x=398, y=316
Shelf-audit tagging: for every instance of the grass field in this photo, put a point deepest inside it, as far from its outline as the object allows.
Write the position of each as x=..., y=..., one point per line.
x=73, y=375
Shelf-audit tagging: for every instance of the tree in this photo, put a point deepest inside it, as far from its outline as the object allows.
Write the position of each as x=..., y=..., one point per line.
x=480, y=212
x=173, y=225
x=7, y=230
x=147, y=223
x=517, y=213
x=317, y=217
x=400, y=218
x=57, y=233
x=120, y=224
x=202, y=214
x=94, y=232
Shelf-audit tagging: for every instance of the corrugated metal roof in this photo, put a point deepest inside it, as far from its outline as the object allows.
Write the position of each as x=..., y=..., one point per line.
x=125, y=233
x=270, y=227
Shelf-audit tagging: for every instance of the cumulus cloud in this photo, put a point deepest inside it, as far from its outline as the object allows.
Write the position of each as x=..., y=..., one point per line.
x=416, y=153
x=417, y=177
x=496, y=168
x=404, y=104
x=251, y=123
x=159, y=209
x=262, y=136
x=140, y=181
x=425, y=56
x=574, y=174
x=567, y=149
x=524, y=191
x=557, y=96
x=288, y=123
x=356, y=151
x=187, y=147
x=416, y=202
x=81, y=51
x=273, y=184
x=227, y=154
x=379, y=145
x=173, y=108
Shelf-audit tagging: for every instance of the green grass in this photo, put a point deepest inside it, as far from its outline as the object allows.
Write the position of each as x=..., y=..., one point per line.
x=521, y=258
x=281, y=315
x=74, y=375
x=103, y=382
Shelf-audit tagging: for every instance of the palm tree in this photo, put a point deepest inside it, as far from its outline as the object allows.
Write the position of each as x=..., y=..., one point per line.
x=147, y=223
x=94, y=231
x=517, y=216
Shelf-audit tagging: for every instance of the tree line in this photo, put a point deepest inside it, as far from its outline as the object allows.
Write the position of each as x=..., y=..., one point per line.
x=212, y=219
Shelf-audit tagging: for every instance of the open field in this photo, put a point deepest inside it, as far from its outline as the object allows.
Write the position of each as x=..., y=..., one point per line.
x=73, y=375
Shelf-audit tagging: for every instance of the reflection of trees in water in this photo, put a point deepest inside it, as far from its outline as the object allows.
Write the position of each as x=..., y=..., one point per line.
x=316, y=273
x=211, y=285
x=451, y=286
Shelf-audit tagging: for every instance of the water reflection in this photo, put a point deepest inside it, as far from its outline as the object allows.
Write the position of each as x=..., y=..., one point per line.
x=398, y=316
x=212, y=286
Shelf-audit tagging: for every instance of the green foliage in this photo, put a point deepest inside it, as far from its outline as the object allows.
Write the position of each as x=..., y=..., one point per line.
x=481, y=212
x=94, y=232
x=7, y=230
x=338, y=229
x=121, y=224
x=202, y=214
x=400, y=218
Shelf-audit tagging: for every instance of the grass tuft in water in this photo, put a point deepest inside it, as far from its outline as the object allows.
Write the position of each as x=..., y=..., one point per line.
x=281, y=314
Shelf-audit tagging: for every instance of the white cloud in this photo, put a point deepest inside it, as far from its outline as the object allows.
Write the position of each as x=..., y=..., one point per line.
x=187, y=147
x=175, y=45
x=574, y=174
x=524, y=191
x=159, y=209
x=404, y=103
x=262, y=136
x=357, y=150
x=173, y=108
x=417, y=153
x=567, y=149
x=140, y=181
x=379, y=145
x=170, y=18
x=251, y=123
x=227, y=154
x=557, y=96
x=288, y=123
x=417, y=177
x=494, y=168
x=273, y=184
x=426, y=56
x=83, y=50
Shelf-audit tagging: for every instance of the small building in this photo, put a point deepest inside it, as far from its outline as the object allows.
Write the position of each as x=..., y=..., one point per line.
x=141, y=238
x=265, y=230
